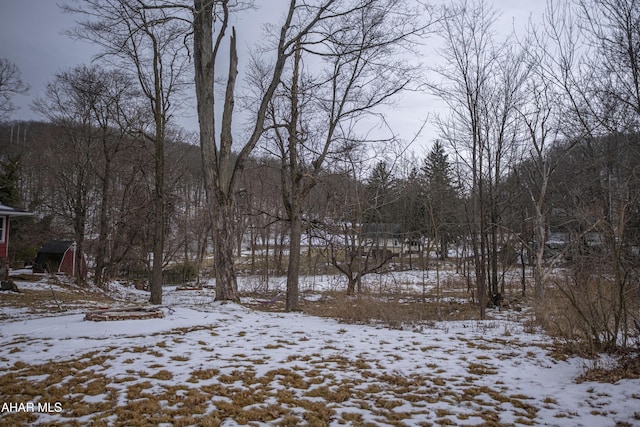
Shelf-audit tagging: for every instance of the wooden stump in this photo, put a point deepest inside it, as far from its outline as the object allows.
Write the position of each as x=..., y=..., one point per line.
x=9, y=285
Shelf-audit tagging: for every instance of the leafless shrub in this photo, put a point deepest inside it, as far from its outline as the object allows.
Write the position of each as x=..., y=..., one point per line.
x=611, y=370
x=590, y=313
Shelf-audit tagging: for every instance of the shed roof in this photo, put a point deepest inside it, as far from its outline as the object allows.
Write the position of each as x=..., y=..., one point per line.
x=55, y=246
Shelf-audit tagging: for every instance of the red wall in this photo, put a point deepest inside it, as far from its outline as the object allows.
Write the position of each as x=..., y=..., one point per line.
x=66, y=265
x=4, y=240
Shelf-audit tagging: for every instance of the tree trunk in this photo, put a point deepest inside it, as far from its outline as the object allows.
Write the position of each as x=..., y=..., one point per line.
x=158, y=228
x=79, y=227
x=351, y=285
x=293, y=270
x=216, y=166
x=158, y=199
x=159, y=211
x=226, y=282
x=101, y=249
x=541, y=237
x=523, y=271
x=266, y=258
x=494, y=251
x=480, y=250
x=295, y=194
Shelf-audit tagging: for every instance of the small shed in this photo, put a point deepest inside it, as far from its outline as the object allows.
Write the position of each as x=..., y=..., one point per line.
x=59, y=256
x=7, y=212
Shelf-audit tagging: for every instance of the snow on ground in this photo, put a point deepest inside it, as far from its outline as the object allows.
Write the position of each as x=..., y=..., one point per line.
x=399, y=281
x=208, y=363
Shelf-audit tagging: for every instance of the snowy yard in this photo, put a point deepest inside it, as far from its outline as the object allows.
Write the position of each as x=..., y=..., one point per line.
x=210, y=364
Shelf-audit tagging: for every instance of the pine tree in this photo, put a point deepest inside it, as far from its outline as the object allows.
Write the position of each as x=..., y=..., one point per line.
x=9, y=174
x=437, y=168
x=379, y=191
x=442, y=196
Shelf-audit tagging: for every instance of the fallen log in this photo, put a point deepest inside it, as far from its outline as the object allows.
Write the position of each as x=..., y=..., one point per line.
x=189, y=288
x=129, y=313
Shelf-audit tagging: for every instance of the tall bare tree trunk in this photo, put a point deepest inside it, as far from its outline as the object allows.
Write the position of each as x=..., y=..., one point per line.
x=220, y=169
x=541, y=238
x=101, y=249
x=293, y=270
x=479, y=228
x=217, y=167
x=79, y=230
x=226, y=283
x=294, y=201
x=158, y=201
x=158, y=209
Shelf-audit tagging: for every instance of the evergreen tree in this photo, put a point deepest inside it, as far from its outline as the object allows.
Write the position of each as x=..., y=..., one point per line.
x=442, y=196
x=379, y=194
x=9, y=174
x=437, y=168
x=26, y=233
x=411, y=211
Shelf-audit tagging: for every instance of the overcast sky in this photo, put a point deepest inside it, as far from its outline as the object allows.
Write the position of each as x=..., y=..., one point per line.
x=31, y=36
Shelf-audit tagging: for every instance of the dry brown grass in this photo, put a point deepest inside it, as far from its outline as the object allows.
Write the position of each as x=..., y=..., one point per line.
x=45, y=301
x=25, y=277
x=393, y=312
x=585, y=315
x=392, y=303
x=295, y=395
x=628, y=367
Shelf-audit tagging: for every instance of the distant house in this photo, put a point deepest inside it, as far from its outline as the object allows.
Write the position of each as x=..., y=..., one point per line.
x=58, y=256
x=385, y=236
x=390, y=237
x=7, y=212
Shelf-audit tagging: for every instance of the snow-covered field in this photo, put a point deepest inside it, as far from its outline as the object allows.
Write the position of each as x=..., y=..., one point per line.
x=208, y=363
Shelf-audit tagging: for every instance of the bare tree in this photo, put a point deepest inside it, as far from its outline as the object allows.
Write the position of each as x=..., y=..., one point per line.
x=582, y=113
x=480, y=84
x=110, y=101
x=10, y=84
x=221, y=169
x=354, y=249
x=350, y=65
x=604, y=100
x=72, y=162
x=144, y=38
x=542, y=124
x=612, y=30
